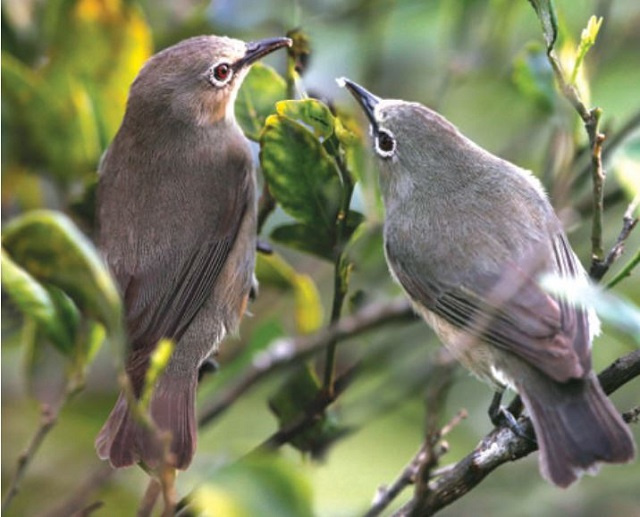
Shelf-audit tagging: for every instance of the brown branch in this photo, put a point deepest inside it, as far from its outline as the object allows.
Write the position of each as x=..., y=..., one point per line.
x=287, y=351
x=48, y=419
x=613, y=141
x=501, y=446
x=421, y=466
x=313, y=413
x=591, y=121
x=77, y=502
x=629, y=222
x=148, y=502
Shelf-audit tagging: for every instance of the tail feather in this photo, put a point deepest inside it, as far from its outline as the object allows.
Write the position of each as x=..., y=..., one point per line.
x=577, y=427
x=125, y=442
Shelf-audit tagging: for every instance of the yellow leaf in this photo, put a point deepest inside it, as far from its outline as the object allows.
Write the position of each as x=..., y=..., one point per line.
x=212, y=501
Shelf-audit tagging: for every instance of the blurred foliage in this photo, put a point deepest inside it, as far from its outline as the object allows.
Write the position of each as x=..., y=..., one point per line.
x=66, y=69
x=268, y=486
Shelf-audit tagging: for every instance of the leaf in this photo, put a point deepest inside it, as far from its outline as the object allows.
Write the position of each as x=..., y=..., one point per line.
x=157, y=364
x=51, y=248
x=626, y=167
x=619, y=312
x=300, y=173
x=268, y=486
x=51, y=312
x=101, y=44
x=293, y=400
x=533, y=77
x=303, y=238
x=587, y=40
x=547, y=16
x=273, y=270
x=261, y=90
x=312, y=113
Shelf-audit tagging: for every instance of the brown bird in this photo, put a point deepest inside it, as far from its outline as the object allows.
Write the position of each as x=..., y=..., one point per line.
x=176, y=212
x=467, y=235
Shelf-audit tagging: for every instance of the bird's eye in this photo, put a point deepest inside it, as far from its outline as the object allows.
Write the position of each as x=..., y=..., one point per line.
x=385, y=144
x=220, y=74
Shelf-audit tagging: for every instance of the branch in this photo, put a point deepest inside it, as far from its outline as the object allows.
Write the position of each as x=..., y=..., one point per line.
x=48, y=420
x=591, y=121
x=501, y=446
x=78, y=500
x=286, y=351
x=310, y=417
x=614, y=140
x=341, y=270
x=629, y=222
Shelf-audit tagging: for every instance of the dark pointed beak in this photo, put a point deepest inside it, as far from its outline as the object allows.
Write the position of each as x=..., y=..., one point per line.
x=260, y=48
x=367, y=100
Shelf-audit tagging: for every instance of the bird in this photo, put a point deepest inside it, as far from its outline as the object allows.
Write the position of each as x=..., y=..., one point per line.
x=468, y=235
x=176, y=225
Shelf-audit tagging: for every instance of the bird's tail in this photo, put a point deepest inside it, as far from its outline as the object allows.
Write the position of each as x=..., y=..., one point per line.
x=124, y=441
x=576, y=427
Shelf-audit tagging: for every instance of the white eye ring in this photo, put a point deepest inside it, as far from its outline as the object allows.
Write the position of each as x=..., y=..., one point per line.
x=385, y=143
x=220, y=74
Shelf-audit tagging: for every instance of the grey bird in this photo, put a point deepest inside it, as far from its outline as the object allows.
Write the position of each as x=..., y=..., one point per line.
x=467, y=235
x=176, y=213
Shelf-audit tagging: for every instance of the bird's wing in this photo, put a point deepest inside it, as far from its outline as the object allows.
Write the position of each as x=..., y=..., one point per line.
x=165, y=290
x=511, y=311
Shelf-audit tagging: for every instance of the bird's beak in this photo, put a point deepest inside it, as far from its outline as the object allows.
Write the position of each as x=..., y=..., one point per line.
x=367, y=100
x=260, y=48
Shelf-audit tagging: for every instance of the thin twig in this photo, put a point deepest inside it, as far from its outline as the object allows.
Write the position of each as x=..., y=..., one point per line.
x=591, y=121
x=88, y=510
x=626, y=270
x=48, y=419
x=151, y=494
x=501, y=445
x=614, y=140
x=284, y=352
x=315, y=411
x=78, y=499
x=629, y=222
x=421, y=466
x=386, y=494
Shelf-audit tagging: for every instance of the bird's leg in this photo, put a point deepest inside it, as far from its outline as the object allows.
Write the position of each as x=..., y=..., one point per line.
x=504, y=417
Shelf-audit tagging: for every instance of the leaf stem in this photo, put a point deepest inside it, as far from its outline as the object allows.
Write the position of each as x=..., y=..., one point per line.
x=591, y=121
x=341, y=270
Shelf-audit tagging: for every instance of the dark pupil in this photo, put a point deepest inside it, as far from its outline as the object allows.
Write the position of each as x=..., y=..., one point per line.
x=221, y=72
x=385, y=142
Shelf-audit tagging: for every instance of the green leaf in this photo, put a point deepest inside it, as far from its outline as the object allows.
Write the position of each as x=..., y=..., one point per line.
x=157, y=364
x=261, y=90
x=293, y=400
x=274, y=270
x=53, y=312
x=619, y=312
x=102, y=45
x=587, y=40
x=300, y=173
x=268, y=486
x=533, y=76
x=547, y=16
x=312, y=113
x=301, y=237
x=51, y=248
